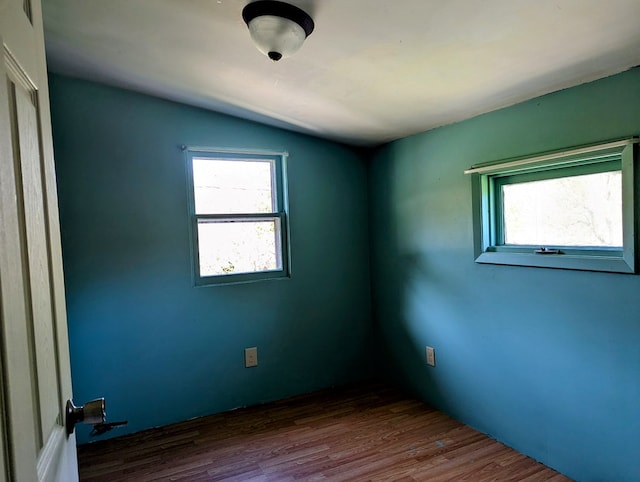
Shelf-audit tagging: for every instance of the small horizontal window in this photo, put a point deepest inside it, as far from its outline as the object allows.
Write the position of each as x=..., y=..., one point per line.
x=238, y=216
x=573, y=207
x=572, y=210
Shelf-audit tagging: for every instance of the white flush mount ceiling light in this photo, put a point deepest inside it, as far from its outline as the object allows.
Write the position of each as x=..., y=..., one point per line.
x=278, y=29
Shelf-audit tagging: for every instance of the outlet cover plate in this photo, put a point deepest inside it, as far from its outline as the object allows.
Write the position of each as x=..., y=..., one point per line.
x=431, y=356
x=251, y=357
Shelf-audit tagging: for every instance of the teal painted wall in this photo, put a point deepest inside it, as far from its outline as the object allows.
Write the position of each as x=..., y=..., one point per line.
x=141, y=335
x=547, y=361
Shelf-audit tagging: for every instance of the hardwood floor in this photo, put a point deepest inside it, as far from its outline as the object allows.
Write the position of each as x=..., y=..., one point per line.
x=367, y=432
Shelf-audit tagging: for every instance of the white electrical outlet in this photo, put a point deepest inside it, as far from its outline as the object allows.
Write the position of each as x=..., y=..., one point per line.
x=431, y=356
x=251, y=357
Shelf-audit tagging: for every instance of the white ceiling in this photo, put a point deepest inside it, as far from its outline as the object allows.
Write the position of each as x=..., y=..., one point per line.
x=372, y=71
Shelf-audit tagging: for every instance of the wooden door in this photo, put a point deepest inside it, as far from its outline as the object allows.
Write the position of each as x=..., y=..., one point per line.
x=34, y=366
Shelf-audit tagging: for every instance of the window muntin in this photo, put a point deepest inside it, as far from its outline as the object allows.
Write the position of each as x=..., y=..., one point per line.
x=498, y=241
x=238, y=209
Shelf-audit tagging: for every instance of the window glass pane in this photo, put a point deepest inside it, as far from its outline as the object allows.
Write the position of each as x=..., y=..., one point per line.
x=224, y=186
x=570, y=211
x=246, y=246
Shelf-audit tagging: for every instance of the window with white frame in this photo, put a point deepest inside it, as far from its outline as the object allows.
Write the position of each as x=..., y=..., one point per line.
x=239, y=215
x=573, y=209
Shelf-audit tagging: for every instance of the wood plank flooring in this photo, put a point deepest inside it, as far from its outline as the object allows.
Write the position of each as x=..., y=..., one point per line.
x=367, y=432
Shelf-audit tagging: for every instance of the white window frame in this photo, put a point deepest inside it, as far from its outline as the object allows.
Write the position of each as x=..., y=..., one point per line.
x=281, y=213
x=486, y=247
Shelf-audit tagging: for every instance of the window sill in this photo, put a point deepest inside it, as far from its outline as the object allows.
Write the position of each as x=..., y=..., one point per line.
x=610, y=262
x=241, y=278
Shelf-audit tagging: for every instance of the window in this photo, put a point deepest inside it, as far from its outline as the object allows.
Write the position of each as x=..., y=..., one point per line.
x=572, y=209
x=239, y=218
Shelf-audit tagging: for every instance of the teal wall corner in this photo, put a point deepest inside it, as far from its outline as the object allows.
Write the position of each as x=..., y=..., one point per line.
x=157, y=348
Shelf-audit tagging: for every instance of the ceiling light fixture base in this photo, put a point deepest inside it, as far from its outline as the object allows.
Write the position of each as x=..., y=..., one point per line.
x=277, y=28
